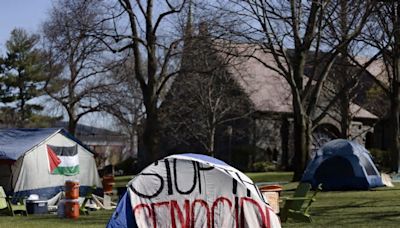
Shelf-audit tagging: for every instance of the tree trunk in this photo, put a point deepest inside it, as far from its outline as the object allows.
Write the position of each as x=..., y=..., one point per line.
x=150, y=136
x=211, y=142
x=302, y=132
x=302, y=138
x=21, y=122
x=395, y=146
x=394, y=116
x=72, y=121
x=345, y=117
x=395, y=99
x=302, y=122
x=285, y=134
x=21, y=97
x=344, y=75
x=72, y=126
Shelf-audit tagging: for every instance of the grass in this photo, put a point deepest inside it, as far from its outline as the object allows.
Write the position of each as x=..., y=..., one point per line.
x=376, y=208
x=121, y=181
x=96, y=219
x=256, y=177
x=271, y=176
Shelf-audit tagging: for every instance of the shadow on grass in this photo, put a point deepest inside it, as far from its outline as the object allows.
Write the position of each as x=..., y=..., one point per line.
x=370, y=219
x=393, y=216
x=371, y=205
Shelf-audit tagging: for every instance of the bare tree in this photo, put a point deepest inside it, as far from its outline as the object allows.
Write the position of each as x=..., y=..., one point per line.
x=348, y=75
x=124, y=102
x=204, y=99
x=146, y=30
x=384, y=35
x=303, y=27
x=76, y=62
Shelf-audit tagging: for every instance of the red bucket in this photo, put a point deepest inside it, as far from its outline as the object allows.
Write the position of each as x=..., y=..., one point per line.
x=71, y=209
x=108, y=183
x=71, y=189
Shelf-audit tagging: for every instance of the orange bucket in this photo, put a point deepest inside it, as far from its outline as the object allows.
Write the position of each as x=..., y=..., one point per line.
x=71, y=209
x=71, y=189
x=271, y=193
x=108, y=183
x=270, y=188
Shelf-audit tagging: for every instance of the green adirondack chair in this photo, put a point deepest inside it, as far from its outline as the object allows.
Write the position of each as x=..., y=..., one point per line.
x=89, y=196
x=10, y=208
x=297, y=207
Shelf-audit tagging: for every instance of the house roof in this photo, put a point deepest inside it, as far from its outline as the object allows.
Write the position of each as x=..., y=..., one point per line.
x=359, y=112
x=267, y=89
x=377, y=69
x=14, y=143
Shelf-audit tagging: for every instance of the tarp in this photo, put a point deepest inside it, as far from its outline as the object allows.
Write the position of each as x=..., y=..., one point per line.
x=30, y=173
x=342, y=165
x=191, y=190
x=16, y=142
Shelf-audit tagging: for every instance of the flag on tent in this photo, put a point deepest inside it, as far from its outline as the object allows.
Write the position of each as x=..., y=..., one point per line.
x=63, y=160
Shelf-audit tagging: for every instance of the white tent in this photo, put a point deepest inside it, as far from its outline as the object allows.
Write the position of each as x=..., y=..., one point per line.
x=39, y=161
x=191, y=190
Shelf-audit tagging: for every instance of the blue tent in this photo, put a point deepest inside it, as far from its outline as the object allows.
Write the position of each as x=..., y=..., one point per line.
x=342, y=165
x=122, y=216
x=192, y=190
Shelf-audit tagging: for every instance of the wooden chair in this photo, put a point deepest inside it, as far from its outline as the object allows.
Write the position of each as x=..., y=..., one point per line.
x=297, y=207
x=89, y=196
x=8, y=206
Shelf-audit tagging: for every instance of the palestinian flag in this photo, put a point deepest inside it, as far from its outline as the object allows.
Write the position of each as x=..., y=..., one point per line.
x=63, y=160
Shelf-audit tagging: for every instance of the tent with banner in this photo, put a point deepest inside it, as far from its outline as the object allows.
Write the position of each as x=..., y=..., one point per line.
x=191, y=190
x=39, y=161
x=342, y=165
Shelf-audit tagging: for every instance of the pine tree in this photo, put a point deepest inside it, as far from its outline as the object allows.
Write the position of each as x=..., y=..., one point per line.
x=23, y=78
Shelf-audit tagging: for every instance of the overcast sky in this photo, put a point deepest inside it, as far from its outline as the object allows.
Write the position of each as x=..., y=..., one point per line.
x=27, y=14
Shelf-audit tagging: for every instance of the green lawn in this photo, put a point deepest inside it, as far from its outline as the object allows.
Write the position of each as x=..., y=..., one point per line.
x=122, y=180
x=96, y=219
x=271, y=176
x=377, y=208
x=256, y=177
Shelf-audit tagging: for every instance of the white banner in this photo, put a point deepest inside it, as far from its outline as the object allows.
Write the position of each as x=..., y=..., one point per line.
x=177, y=192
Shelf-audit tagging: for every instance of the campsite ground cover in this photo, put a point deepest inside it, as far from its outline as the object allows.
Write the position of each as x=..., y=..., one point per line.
x=376, y=208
